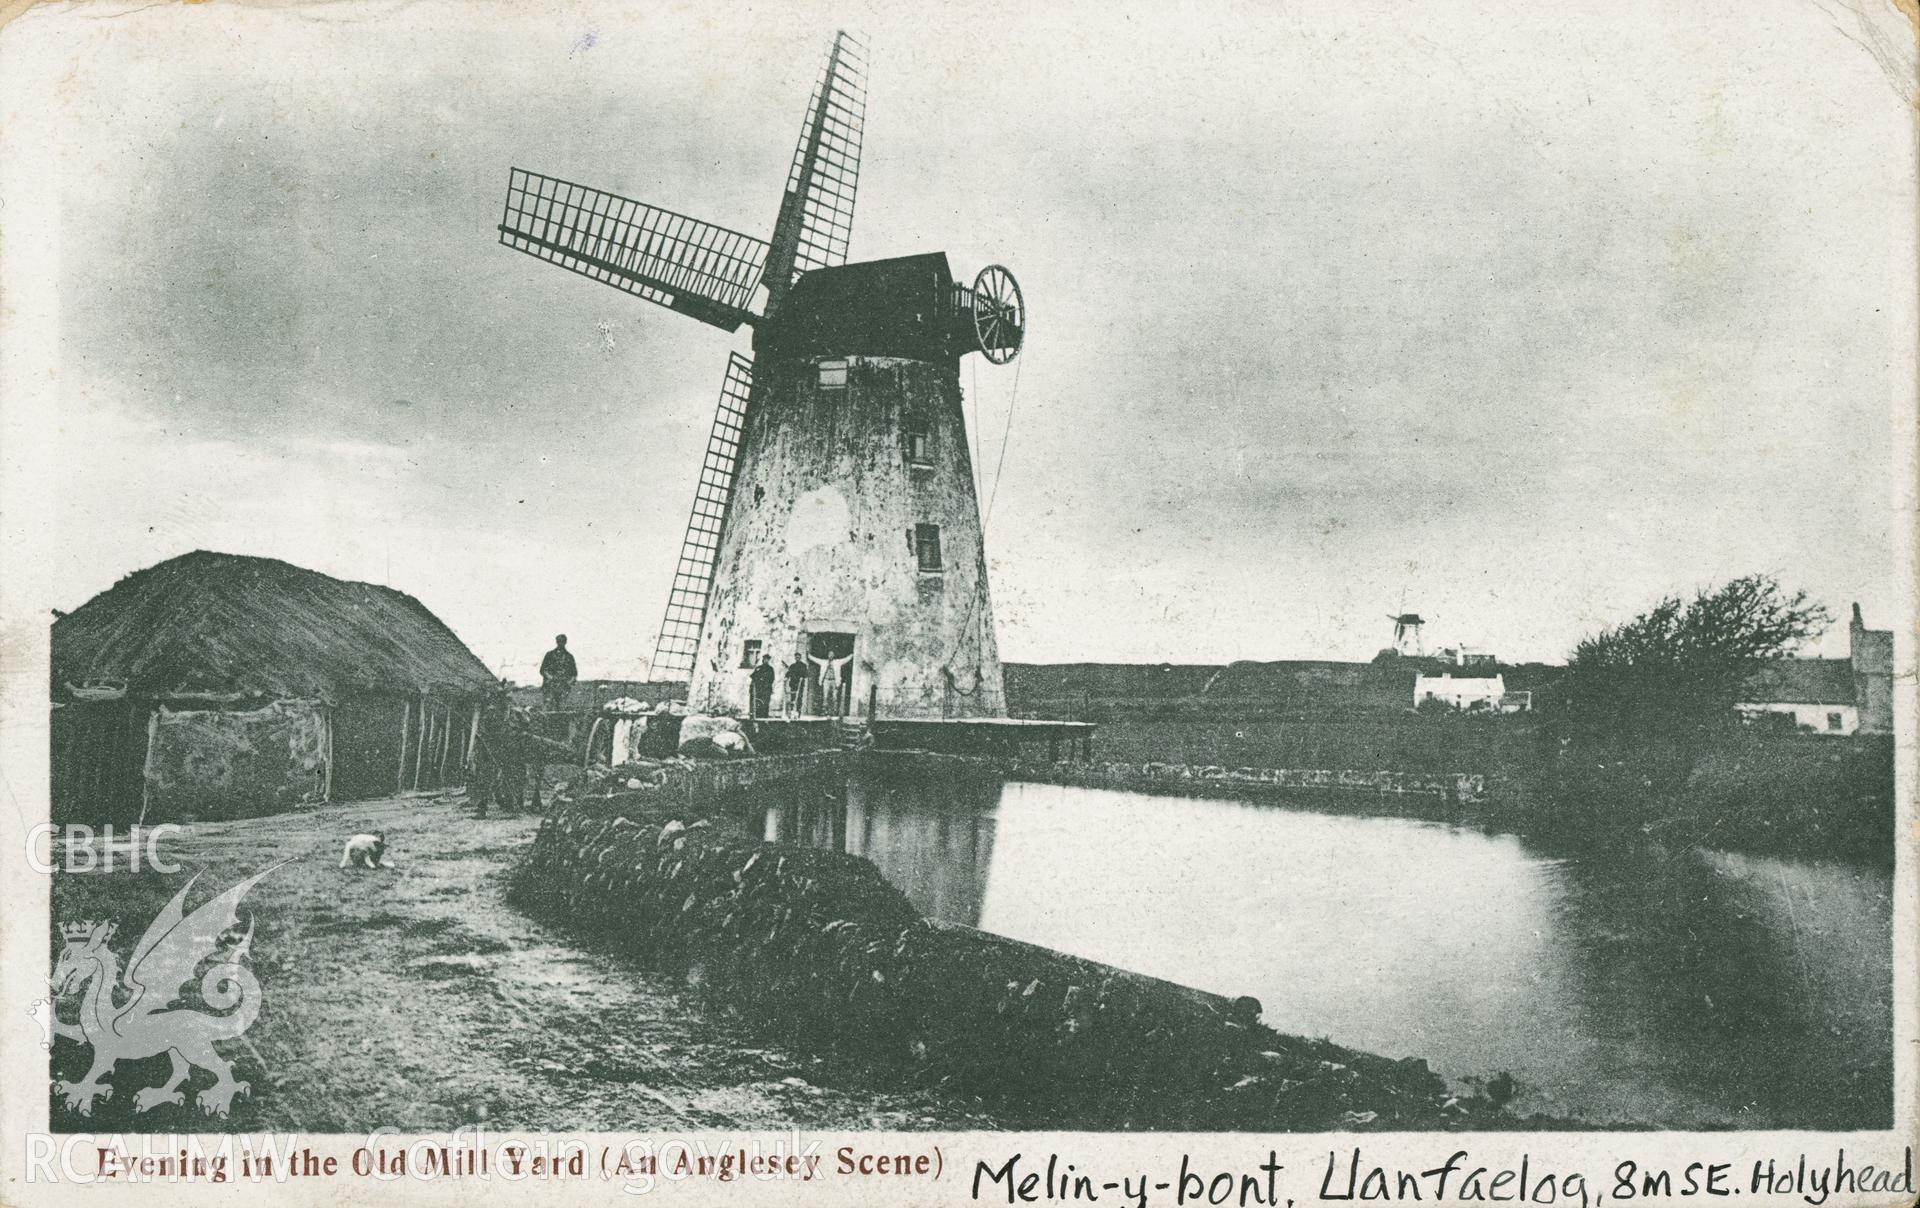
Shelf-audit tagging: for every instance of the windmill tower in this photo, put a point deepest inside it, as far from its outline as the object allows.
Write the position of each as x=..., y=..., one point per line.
x=835, y=518
x=1407, y=639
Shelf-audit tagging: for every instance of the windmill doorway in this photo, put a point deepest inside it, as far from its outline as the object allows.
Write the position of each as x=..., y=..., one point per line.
x=830, y=682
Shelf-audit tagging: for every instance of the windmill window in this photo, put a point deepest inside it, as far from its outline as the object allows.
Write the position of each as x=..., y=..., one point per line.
x=1836, y=721
x=750, y=653
x=926, y=547
x=918, y=441
x=833, y=374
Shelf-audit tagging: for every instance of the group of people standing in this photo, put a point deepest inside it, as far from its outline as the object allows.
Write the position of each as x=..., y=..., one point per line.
x=832, y=675
x=511, y=751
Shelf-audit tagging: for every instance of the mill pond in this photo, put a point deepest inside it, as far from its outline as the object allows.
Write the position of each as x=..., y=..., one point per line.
x=1632, y=985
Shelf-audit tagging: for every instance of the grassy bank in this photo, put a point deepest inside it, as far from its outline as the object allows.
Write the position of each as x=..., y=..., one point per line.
x=1411, y=743
x=1749, y=790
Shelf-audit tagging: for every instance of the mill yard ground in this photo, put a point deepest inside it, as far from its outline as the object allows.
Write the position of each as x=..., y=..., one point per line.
x=417, y=999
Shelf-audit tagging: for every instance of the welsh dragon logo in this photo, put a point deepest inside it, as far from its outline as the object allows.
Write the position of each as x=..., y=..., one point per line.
x=140, y=1023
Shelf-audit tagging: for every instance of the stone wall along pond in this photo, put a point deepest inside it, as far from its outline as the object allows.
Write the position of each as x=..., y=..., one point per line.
x=814, y=947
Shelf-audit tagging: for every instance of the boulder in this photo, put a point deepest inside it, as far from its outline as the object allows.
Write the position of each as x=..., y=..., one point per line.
x=713, y=735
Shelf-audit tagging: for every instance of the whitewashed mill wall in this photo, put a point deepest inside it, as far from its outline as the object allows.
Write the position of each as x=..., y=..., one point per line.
x=817, y=540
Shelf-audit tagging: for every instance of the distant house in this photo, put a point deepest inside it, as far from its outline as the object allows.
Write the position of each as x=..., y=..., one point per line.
x=215, y=685
x=1468, y=694
x=1805, y=694
x=1827, y=696
x=1468, y=656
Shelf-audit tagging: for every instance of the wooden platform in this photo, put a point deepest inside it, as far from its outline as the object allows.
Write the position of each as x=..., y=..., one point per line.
x=945, y=736
x=778, y=735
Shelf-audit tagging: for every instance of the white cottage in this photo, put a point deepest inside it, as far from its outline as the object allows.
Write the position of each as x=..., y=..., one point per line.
x=1465, y=693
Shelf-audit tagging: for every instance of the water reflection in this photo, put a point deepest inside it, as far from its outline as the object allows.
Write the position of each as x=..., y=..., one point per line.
x=933, y=841
x=1685, y=989
x=1754, y=991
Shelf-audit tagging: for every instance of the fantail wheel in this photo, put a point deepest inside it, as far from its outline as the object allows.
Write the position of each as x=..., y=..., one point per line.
x=999, y=314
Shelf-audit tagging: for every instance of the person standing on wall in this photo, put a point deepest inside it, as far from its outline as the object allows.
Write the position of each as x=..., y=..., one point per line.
x=796, y=686
x=829, y=687
x=762, y=685
x=833, y=683
x=842, y=685
x=558, y=672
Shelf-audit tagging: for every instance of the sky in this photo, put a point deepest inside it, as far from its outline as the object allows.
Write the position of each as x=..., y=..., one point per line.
x=1516, y=316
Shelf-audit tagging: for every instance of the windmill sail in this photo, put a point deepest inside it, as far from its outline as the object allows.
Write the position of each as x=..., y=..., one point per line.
x=816, y=214
x=681, y=263
x=673, y=651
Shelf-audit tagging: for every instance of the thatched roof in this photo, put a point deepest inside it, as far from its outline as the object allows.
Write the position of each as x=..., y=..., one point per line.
x=223, y=623
x=1801, y=682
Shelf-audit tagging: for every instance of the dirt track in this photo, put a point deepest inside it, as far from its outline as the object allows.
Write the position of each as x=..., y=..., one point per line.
x=416, y=999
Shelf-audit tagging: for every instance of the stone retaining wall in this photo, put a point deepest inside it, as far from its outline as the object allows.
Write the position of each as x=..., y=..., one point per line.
x=1180, y=779
x=709, y=780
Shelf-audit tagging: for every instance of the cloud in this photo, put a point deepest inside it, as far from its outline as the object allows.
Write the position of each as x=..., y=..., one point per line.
x=1554, y=320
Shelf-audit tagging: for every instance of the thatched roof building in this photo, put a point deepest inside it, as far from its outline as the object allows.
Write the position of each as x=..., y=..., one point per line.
x=220, y=685
x=207, y=624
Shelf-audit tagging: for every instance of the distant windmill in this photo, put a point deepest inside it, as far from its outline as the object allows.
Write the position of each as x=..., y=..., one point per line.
x=1406, y=634
x=835, y=517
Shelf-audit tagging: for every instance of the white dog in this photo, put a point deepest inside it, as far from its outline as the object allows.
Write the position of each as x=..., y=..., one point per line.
x=364, y=851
